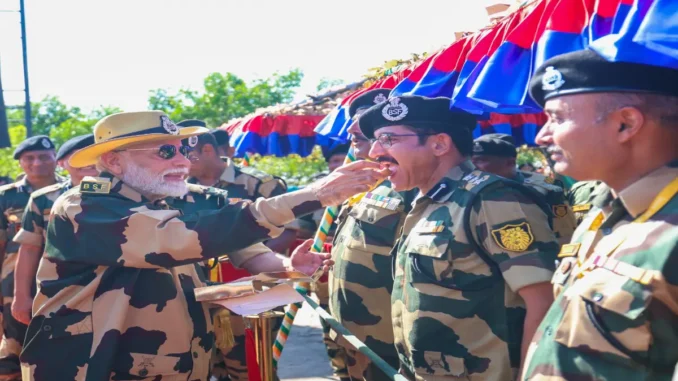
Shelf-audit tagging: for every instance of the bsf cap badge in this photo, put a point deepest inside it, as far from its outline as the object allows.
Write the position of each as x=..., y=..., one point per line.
x=169, y=126
x=380, y=98
x=192, y=141
x=394, y=111
x=552, y=79
x=45, y=143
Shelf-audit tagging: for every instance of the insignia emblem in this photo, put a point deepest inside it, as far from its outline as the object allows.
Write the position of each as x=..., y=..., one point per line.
x=45, y=143
x=517, y=238
x=168, y=125
x=474, y=178
x=560, y=211
x=552, y=79
x=380, y=98
x=394, y=110
x=581, y=208
x=192, y=141
x=94, y=186
x=549, y=180
x=569, y=250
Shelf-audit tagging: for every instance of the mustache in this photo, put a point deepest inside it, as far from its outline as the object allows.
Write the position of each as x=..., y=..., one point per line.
x=386, y=159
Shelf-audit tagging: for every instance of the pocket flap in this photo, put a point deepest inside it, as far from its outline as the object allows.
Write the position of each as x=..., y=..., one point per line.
x=616, y=293
x=428, y=244
x=147, y=365
x=76, y=323
x=371, y=214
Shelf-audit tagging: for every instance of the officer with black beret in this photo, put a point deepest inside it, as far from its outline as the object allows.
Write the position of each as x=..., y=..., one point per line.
x=615, y=313
x=360, y=143
x=37, y=159
x=475, y=254
x=497, y=153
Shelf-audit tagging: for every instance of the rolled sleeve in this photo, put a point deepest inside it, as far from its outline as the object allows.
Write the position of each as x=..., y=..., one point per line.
x=518, y=237
x=239, y=257
x=27, y=237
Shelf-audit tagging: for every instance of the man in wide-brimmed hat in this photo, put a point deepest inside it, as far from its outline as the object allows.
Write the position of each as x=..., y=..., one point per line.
x=115, y=286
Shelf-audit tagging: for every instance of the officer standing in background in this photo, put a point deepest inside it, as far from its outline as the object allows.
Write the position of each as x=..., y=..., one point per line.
x=584, y=195
x=361, y=280
x=223, y=142
x=616, y=309
x=476, y=251
x=497, y=153
x=33, y=231
x=37, y=159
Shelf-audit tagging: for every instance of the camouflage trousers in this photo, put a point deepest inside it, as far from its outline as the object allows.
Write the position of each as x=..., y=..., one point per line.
x=336, y=353
x=14, y=331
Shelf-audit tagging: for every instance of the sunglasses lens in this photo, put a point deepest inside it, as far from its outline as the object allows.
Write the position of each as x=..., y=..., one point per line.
x=186, y=151
x=167, y=151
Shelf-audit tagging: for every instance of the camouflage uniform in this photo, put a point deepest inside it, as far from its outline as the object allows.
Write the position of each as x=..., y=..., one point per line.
x=586, y=194
x=361, y=282
x=564, y=221
x=615, y=316
x=13, y=200
x=115, y=286
x=241, y=183
x=455, y=304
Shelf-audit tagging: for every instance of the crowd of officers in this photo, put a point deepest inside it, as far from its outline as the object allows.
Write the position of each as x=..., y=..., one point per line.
x=454, y=266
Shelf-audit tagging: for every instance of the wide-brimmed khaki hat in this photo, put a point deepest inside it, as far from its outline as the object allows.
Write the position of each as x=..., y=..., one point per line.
x=126, y=128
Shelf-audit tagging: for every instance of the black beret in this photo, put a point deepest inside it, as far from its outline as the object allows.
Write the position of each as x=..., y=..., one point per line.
x=221, y=136
x=416, y=111
x=367, y=100
x=74, y=144
x=34, y=143
x=192, y=123
x=495, y=145
x=339, y=149
x=585, y=71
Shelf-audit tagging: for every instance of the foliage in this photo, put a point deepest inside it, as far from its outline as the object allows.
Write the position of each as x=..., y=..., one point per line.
x=10, y=167
x=226, y=96
x=530, y=155
x=328, y=83
x=296, y=171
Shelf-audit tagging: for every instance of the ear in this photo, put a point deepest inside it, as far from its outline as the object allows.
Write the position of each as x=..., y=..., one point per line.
x=441, y=144
x=112, y=162
x=632, y=120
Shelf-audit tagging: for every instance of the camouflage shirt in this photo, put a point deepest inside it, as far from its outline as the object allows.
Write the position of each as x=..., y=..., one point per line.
x=584, y=195
x=36, y=215
x=115, y=286
x=361, y=282
x=564, y=221
x=247, y=183
x=13, y=200
x=615, y=317
x=456, y=310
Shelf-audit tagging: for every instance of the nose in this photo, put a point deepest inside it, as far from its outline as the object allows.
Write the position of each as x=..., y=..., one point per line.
x=545, y=135
x=376, y=150
x=180, y=160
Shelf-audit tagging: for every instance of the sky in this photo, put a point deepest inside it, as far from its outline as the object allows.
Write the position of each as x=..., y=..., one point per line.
x=113, y=52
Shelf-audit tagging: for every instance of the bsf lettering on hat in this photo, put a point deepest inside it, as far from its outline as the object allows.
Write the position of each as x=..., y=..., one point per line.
x=394, y=110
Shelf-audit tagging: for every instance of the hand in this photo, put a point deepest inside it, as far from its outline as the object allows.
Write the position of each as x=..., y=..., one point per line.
x=22, y=308
x=306, y=261
x=348, y=180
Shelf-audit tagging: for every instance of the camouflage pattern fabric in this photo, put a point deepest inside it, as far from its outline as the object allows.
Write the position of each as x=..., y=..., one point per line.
x=615, y=316
x=456, y=316
x=13, y=200
x=115, y=286
x=585, y=195
x=361, y=281
x=244, y=183
x=564, y=222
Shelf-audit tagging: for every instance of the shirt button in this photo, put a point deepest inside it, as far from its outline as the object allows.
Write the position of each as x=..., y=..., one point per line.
x=143, y=373
x=597, y=297
x=195, y=355
x=47, y=328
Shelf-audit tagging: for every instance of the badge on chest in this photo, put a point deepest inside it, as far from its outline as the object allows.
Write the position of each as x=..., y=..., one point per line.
x=389, y=203
x=429, y=227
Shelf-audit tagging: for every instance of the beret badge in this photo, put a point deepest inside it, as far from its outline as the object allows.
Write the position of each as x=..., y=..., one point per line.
x=394, y=110
x=192, y=141
x=552, y=79
x=45, y=143
x=380, y=98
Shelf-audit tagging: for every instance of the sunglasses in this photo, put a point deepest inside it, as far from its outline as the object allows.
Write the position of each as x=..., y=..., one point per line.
x=166, y=151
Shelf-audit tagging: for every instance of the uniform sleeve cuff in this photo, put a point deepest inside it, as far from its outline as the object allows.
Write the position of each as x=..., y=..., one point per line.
x=26, y=237
x=519, y=276
x=241, y=256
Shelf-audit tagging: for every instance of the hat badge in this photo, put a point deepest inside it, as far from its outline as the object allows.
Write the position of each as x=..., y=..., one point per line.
x=380, y=98
x=45, y=143
x=395, y=110
x=192, y=141
x=552, y=79
x=168, y=125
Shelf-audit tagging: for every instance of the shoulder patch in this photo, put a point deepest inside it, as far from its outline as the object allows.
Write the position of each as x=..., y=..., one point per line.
x=95, y=185
x=560, y=211
x=511, y=237
x=263, y=176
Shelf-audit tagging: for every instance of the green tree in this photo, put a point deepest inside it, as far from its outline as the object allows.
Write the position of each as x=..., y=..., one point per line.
x=226, y=96
x=9, y=166
x=296, y=170
x=328, y=83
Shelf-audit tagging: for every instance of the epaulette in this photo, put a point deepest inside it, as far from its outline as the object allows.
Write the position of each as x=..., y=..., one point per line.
x=95, y=185
x=263, y=176
x=6, y=187
x=48, y=189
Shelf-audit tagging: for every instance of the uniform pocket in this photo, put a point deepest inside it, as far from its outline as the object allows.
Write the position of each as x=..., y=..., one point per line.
x=430, y=262
x=431, y=363
x=147, y=365
x=373, y=229
x=607, y=313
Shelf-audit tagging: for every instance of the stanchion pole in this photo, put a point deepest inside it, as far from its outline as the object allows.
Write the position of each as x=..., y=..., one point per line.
x=263, y=336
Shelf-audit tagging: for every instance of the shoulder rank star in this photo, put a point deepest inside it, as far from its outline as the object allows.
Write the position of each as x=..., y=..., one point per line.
x=517, y=238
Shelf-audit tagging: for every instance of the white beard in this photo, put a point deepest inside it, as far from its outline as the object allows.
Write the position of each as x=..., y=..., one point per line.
x=153, y=183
